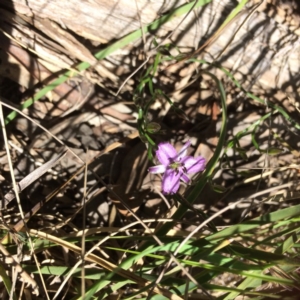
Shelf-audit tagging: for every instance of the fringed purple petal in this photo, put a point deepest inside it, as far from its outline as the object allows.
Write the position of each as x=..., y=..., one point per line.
x=193, y=165
x=157, y=169
x=170, y=181
x=166, y=153
x=185, y=178
x=183, y=151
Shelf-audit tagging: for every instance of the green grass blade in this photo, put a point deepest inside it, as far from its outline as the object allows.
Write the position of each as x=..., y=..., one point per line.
x=234, y=13
x=247, y=283
x=275, y=107
x=287, y=244
x=6, y=281
x=184, y=9
x=255, y=223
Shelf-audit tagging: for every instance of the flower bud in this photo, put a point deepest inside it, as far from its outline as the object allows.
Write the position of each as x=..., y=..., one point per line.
x=153, y=127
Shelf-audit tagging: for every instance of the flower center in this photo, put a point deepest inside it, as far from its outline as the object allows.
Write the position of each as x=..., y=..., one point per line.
x=176, y=166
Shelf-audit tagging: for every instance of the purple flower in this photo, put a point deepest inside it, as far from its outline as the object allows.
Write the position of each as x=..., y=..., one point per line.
x=175, y=166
